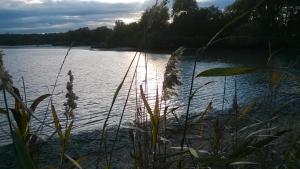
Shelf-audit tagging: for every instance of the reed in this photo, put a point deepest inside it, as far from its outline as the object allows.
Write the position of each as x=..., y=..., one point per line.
x=103, y=138
x=122, y=114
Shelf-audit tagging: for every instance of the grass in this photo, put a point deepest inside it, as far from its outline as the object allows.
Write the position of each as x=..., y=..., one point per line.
x=240, y=139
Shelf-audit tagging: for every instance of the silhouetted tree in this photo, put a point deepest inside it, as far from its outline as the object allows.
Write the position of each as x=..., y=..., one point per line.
x=273, y=20
x=184, y=6
x=155, y=18
x=277, y=21
x=154, y=25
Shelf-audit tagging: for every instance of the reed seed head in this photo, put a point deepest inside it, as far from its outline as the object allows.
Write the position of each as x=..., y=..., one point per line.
x=5, y=77
x=171, y=75
x=71, y=104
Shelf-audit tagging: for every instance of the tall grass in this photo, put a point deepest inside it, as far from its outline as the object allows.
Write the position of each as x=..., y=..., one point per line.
x=103, y=137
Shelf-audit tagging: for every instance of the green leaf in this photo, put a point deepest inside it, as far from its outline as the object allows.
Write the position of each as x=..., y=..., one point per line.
x=23, y=158
x=3, y=111
x=145, y=101
x=156, y=107
x=73, y=161
x=37, y=101
x=17, y=117
x=245, y=112
x=57, y=124
x=179, y=148
x=133, y=128
x=193, y=152
x=18, y=103
x=196, y=90
x=208, y=109
x=78, y=160
x=249, y=146
x=261, y=131
x=243, y=163
x=68, y=132
x=21, y=116
x=231, y=71
x=165, y=140
x=275, y=79
x=155, y=123
x=154, y=116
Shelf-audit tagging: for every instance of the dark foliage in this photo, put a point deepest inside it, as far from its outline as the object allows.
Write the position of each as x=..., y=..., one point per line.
x=275, y=21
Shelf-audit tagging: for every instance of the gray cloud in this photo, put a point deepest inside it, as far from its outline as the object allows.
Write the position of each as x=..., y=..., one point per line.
x=62, y=16
x=16, y=16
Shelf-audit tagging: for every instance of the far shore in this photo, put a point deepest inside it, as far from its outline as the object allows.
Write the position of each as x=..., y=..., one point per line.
x=188, y=50
x=245, y=56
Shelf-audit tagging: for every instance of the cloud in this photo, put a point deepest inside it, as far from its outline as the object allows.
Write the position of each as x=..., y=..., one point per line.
x=56, y=16
x=44, y=16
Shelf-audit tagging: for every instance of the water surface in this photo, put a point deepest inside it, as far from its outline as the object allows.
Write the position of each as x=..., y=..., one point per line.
x=98, y=74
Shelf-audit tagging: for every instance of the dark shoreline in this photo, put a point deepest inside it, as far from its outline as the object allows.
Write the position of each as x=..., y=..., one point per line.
x=245, y=56
x=188, y=50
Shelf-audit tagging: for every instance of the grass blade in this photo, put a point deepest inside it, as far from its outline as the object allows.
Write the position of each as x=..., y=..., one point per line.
x=23, y=157
x=193, y=152
x=73, y=161
x=2, y=111
x=155, y=119
x=68, y=132
x=232, y=71
x=37, y=101
x=243, y=163
x=145, y=101
x=133, y=128
x=57, y=124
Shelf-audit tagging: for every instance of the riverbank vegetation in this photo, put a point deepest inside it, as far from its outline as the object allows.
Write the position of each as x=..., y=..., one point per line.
x=261, y=134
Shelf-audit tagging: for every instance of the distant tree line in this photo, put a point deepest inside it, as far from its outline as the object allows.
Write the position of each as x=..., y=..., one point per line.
x=275, y=21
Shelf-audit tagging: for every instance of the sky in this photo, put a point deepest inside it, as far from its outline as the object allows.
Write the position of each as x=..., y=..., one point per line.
x=46, y=16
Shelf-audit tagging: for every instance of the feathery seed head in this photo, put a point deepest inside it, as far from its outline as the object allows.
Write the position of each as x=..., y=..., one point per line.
x=70, y=105
x=5, y=77
x=171, y=75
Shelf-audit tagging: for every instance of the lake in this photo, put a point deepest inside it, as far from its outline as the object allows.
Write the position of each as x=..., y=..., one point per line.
x=98, y=73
